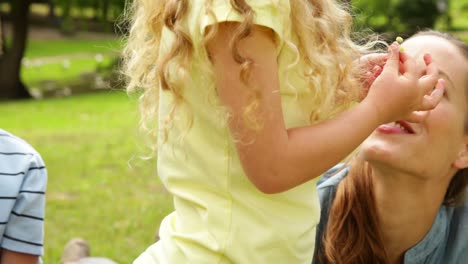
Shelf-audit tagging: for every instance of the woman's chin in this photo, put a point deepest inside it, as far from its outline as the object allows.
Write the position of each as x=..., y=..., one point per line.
x=379, y=152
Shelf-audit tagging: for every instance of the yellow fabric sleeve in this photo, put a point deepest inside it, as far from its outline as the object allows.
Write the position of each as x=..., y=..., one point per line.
x=272, y=14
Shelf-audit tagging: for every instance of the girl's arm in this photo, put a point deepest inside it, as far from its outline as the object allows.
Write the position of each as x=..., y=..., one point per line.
x=277, y=159
x=12, y=257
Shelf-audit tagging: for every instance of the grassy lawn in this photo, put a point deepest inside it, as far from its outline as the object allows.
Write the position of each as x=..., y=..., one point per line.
x=65, y=59
x=66, y=69
x=463, y=37
x=98, y=187
x=45, y=48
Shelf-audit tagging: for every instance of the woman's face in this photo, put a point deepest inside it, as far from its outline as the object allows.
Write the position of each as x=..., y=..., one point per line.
x=433, y=146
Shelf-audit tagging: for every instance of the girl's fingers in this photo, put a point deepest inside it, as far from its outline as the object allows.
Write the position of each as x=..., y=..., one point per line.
x=370, y=76
x=431, y=101
x=431, y=79
x=373, y=59
x=427, y=58
x=401, y=68
x=379, y=59
x=404, y=56
x=368, y=79
x=417, y=116
x=376, y=71
x=431, y=68
x=409, y=64
x=393, y=59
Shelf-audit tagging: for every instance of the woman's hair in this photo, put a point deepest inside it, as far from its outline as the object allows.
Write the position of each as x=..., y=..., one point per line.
x=352, y=234
x=322, y=30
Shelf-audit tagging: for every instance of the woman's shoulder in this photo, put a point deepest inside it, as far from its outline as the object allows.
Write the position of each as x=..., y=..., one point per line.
x=457, y=220
x=457, y=225
x=446, y=241
x=333, y=176
x=329, y=181
x=455, y=242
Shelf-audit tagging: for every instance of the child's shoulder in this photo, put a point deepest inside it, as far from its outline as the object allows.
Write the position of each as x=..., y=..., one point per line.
x=10, y=143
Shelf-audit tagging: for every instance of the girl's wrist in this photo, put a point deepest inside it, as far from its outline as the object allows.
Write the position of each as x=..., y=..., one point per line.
x=372, y=112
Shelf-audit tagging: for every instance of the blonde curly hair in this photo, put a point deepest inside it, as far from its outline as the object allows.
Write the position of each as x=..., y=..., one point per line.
x=322, y=24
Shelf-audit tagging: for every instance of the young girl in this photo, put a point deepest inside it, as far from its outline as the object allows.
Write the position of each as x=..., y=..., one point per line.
x=403, y=198
x=243, y=93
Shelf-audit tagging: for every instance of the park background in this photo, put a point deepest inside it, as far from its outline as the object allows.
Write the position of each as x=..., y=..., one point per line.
x=66, y=97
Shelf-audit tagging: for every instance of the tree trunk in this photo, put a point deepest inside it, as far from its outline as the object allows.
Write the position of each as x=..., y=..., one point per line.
x=105, y=10
x=52, y=15
x=95, y=10
x=2, y=38
x=11, y=86
x=68, y=24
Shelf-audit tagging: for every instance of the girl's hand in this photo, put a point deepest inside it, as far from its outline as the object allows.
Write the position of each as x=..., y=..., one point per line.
x=400, y=90
x=372, y=65
x=369, y=61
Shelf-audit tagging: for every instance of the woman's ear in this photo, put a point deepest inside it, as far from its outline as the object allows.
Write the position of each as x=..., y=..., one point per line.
x=462, y=159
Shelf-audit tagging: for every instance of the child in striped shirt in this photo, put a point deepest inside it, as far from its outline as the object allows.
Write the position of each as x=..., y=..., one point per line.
x=23, y=180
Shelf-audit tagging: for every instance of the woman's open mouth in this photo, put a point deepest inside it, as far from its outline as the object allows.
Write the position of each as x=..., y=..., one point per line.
x=397, y=127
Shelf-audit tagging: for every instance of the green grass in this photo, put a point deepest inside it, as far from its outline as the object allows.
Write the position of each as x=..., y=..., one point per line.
x=33, y=75
x=45, y=48
x=464, y=38
x=87, y=143
x=80, y=53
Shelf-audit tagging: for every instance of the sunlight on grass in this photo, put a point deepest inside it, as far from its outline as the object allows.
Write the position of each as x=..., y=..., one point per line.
x=64, y=69
x=65, y=60
x=98, y=186
x=44, y=48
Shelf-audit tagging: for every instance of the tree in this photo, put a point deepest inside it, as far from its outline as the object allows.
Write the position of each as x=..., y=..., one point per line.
x=417, y=14
x=402, y=16
x=11, y=53
x=376, y=15
x=2, y=38
x=11, y=86
x=105, y=10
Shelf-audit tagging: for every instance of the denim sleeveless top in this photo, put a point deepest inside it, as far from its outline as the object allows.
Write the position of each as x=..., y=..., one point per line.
x=446, y=242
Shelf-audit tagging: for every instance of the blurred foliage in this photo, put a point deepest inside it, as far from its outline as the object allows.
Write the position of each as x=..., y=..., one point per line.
x=66, y=14
x=102, y=10
x=407, y=16
x=416, y=14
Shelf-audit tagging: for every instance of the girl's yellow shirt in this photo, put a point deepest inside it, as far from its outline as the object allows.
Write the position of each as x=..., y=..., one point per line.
x=220, y=217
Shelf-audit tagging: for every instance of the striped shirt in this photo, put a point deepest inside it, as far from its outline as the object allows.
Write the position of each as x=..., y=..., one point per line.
x=23, y=180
